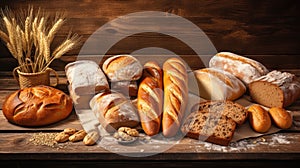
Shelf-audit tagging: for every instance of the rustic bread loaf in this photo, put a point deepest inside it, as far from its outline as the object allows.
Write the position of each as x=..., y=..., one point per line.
x=86, y=77
x=209, y=127
x=276, y=89
x=113, y=111
x=122, y=68
x=175, y=82
x=230, y=109
x=245, y=69
x=37, y=106
x=150, y=98
x=215, y=84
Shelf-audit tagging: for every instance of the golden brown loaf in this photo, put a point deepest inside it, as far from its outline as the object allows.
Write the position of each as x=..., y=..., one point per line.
x=113, y=110
x=37, y=106
x=85, y=77
x=276, y=89
x=175, y=82
x=259, y=118
x=150, y=98
x=281, y=117
x=245, y=69
x=209, y=127
x=122, y=68
x=215, y=84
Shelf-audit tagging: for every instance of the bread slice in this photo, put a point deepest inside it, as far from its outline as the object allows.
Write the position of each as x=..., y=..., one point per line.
x=209, y=127
x=230, y=109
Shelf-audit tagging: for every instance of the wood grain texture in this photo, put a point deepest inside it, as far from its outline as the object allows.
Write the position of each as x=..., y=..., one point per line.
x=245, y=27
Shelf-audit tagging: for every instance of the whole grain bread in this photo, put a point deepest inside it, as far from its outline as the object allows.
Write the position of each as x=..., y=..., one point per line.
x=230, y=109
x=209, y=127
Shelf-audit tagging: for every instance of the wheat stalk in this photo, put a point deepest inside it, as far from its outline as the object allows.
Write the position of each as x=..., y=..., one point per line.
x=29, y=38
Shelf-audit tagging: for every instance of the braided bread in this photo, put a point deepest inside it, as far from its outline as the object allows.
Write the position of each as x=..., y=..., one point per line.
x=175, y=95
x=150, y=98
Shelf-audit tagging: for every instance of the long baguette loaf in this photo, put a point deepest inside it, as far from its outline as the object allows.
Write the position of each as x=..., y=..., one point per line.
x=150, y=98
x=175, y=95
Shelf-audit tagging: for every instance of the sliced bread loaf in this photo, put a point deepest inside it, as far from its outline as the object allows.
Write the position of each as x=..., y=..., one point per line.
x=209, y=127
x=230, y=109
x=276, y=89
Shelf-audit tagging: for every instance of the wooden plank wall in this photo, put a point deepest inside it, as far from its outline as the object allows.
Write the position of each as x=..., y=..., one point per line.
x=266, y=30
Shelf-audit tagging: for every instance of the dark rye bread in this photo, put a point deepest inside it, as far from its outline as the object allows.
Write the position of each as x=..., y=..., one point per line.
x=209, y=127
x=230, y=109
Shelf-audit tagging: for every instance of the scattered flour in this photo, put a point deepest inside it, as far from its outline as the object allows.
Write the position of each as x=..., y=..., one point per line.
x=246, y=144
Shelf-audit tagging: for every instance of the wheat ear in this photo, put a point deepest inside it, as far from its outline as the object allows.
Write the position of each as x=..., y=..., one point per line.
x=4, y=36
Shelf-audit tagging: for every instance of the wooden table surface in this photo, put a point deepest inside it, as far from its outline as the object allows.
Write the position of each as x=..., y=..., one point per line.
x=16, y=147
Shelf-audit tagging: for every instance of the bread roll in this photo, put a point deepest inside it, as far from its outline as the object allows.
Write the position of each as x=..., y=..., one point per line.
x=243, y=68
x=150, y=98
x=175, y=82
x=113, y=111
x=281, y=117
x=215, y=84
x=122, y=68
x=259, y=118
x=276, y=89
x=85, y=77
x=37, y=106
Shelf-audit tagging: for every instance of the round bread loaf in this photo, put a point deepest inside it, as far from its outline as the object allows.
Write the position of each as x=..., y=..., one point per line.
x=122, y=68
x=37, y=106
x=215, y=84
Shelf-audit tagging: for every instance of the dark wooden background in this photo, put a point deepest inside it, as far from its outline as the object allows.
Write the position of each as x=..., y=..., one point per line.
x=266, y=30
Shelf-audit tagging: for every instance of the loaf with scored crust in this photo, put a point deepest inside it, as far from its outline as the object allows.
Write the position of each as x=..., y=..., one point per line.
x=175, y=82
x=215, y=84
x=244, y=68
x=150, y=98
x=113, y=110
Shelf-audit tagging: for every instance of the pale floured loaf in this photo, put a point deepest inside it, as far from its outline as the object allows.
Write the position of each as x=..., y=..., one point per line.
x=276, y=89
x=206, y=126
x=215, y=84
x=245, y=69
x=86, y=77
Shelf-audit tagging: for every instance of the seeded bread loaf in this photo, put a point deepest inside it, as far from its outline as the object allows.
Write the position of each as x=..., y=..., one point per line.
x=209, y=127
x=276, y=89
x=230, y=109
x=244, y=68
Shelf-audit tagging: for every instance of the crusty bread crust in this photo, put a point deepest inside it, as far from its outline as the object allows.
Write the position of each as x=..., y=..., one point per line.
x=37, y=106
x=150, y=98
x=175, y=95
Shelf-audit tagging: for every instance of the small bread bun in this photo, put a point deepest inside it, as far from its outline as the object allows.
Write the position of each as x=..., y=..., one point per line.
x=281, y=117
x=259, y=119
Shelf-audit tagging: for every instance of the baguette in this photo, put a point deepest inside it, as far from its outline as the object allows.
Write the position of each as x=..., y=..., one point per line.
x=175, y=95
x=150, y=98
